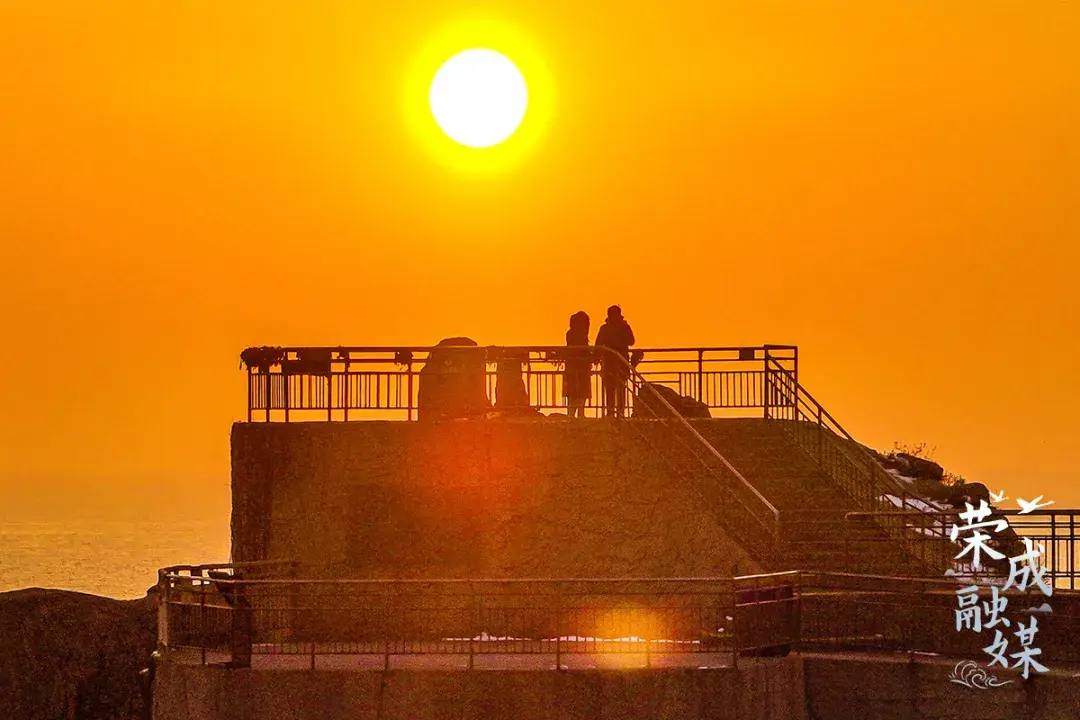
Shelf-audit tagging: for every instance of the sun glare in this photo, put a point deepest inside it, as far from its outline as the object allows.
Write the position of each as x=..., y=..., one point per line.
x=478, y=97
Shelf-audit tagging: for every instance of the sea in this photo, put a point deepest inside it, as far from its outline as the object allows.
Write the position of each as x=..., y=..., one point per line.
x=114, y=558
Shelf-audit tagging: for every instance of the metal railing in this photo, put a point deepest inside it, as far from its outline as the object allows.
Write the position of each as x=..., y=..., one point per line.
x=737, y=505
x=1054, y=531
x=892, y=614
x=233, y=619
x=854, y=470
x=350, y=383
x=490, y=623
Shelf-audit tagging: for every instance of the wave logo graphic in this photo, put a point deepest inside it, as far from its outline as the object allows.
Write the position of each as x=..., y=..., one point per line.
x=971, y=675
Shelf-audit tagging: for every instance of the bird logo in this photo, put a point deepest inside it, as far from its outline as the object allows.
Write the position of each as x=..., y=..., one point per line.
x=1026, y=507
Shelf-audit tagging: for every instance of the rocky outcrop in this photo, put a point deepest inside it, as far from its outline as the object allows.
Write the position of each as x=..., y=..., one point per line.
x=925, y=478
x=912, y=466
x=647, y=405
x=71, y=656
x=452, y=381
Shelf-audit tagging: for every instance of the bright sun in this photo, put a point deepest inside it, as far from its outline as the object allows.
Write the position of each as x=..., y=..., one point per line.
x=478, y=97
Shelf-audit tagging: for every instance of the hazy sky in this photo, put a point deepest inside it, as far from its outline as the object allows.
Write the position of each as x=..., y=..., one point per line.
x=893, y=186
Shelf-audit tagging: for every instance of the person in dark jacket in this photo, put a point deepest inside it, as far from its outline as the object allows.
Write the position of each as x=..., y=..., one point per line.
x=578, y=371
x=615, y=335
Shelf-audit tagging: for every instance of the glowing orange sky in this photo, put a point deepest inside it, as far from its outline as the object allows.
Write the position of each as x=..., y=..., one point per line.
x=892, y=186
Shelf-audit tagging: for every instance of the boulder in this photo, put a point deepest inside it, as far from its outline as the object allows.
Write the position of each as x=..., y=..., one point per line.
x=968, y=493
x=511, y=395
x=646, y=404
x=913, y=467
x=71, y=655
x=453, y=381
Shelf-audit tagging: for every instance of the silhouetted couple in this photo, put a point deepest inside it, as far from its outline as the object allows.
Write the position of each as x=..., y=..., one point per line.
x=616, y=336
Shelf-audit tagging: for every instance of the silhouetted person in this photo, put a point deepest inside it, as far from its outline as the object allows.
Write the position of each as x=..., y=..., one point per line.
x=616, y=335
x=576, y=376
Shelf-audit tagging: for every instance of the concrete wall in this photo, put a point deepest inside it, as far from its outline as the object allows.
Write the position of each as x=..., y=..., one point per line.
x=768, y=690
x=506, y=498
x=838, y=688
x=793, y=688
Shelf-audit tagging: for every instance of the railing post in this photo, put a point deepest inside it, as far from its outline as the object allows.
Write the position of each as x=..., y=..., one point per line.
x=820, y=438
x=250, y=382
x=202, y=614
x=386, y=635
x=700, y=374
x=558, y=631
x=766, y=385
x=528, y=379
x=797, y=608
x=734, y=621
x=1070, y=551
x=348, y=396
x=1053, y=548
x=474, y=623
x=409, y=371
x=794, y=398
x=165, y=585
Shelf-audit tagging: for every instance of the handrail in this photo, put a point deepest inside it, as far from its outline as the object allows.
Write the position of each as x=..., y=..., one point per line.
x=704, y=580
x=708, y=446
x=876, y=485
x=952, y=513
x=540, y=348
x=802, y=392
x=449, y=581
x=772, y=529
x=172, y=569
x=286, y=382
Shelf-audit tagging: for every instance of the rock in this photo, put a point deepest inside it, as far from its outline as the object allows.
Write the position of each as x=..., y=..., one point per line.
x=646, y=405
x=71, y=655
x=913, y=467
x=453, y=381
x=972, y=493
x=931, y=490
x=511, y=395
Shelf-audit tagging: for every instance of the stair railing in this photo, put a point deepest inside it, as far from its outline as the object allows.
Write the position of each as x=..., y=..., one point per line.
x=854, y=470
x=739, y=507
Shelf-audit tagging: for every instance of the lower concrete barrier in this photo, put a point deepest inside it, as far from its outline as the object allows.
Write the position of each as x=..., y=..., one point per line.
x=767, y=689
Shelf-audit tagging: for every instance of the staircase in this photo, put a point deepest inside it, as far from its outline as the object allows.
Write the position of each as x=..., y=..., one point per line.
x=785, y=484
x=814, y=533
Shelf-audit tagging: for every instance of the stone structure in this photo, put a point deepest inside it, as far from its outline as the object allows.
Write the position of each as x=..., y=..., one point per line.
x=511, y=395
x=477, y=498
x=452, y=381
